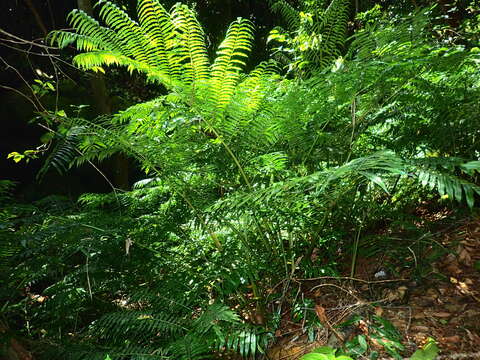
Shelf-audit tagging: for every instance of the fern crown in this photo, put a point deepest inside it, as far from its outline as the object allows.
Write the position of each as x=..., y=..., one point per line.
x=168, y=46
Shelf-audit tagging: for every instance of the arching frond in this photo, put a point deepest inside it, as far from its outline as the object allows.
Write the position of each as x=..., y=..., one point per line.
x=439, y=174
x=290, y=15
x=64, y=38
x=249, y=99
x=157, y=24
x=136, y=325
x=64, y=152
x=193, y=52
x=84, y=24
x=230, y=61
x=129, y=32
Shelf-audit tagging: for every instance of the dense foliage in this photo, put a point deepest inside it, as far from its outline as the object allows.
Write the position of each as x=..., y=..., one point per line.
x=252, y=178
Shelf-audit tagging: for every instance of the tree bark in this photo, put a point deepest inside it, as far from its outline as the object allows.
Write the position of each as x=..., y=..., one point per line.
x=11, y=349
x=102, y=104
x=38, y=18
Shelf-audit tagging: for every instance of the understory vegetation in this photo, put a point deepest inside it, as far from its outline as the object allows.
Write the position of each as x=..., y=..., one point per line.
x=255, y=178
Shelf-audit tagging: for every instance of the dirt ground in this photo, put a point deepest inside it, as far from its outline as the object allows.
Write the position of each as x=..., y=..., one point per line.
x=445, y=306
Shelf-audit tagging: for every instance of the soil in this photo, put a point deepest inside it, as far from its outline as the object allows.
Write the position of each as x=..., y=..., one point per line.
x=444, y=305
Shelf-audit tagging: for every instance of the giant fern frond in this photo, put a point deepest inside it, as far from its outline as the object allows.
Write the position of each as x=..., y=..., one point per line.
x=193, y=52
x=289, y=14
x=159, y=28
x=148, y=47
x=231, y=56
x=439, y=174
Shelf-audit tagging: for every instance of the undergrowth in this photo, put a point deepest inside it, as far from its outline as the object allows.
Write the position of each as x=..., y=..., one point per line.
x=253, y=181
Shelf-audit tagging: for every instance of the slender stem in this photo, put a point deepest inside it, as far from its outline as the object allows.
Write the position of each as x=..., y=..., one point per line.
x=355, y=247
x=202, y=220
x=232, y=155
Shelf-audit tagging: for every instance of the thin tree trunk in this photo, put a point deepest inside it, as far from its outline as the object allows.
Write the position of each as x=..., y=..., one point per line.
x=10, y=348
x=38, y=18
x=227, y=10
x=52, y=17
x=85, y=5
x=102, y=106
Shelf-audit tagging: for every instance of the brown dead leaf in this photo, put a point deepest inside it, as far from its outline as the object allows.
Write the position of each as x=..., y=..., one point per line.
x=453, y=269
x=378, y=311
x=396, y=294
x=420, y=328
x=320, y=311
x=419, y=315
x=363, y=326
x=454, y=307
x=432, y=294
x=449, y=259
x=399, y=324
x=451, y=339
x=441, y=314
x=464, y=257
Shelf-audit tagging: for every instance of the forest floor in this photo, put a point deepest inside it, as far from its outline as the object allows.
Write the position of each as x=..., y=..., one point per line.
x=444, y=306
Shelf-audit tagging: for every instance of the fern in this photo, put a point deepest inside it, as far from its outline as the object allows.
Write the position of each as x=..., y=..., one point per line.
x=229, y=63
x=193, y=52
x=317, y=32
x=289, y=14
x=247, y=340
x=376, y=41
x=432, y=173
x=64, y=152
x=158, y=26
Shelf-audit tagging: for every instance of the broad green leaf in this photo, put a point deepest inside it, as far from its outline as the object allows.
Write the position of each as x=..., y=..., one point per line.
x=324, y=350
x=429, y=351
x=316, y=356
x=362, y=342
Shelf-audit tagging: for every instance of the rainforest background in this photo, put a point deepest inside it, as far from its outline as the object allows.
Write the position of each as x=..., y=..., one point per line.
x=243, y=179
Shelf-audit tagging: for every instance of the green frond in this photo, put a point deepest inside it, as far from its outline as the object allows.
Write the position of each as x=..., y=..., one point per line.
x=290, y=15
x=65, y=151
x=139, y=326
x=317, y=32
x=253, y=89
x=94, y=60
x=193, y=52
x=249, y=99
x=319, y=185
x=64, y=38
x=381, y=41
x=247, y=340
x=85, y=25
x=331, y=27
x=439, y=174
x=230, y=61
x=212, y=316
x=191, y=347
x=158, y=26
